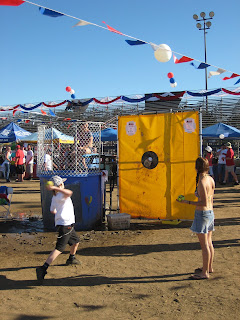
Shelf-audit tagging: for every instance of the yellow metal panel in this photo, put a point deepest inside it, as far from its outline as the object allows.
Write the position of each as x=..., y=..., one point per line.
x=152, y=193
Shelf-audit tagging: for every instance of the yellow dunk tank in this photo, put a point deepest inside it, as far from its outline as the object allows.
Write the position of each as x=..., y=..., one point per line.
x=157, y=155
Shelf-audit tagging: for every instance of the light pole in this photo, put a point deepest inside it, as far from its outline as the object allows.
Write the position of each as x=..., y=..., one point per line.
x=206, y=25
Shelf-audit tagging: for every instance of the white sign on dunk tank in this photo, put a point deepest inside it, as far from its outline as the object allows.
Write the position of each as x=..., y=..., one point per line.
x=131, y=128
x=189, y=125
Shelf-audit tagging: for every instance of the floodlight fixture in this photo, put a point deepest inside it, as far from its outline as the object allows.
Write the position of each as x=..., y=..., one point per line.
x=211, y=14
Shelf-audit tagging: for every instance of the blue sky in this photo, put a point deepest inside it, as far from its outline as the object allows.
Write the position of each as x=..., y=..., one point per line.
x=40, y=55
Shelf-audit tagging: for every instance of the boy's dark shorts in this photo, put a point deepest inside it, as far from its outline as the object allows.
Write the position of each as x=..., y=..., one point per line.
x=20, y=169
x=66, y=235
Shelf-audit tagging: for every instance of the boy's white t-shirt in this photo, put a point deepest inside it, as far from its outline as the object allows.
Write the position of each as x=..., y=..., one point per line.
x=65, y=211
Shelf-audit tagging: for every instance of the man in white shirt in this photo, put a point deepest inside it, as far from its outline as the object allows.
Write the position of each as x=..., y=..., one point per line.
x=221, y=153
x=29, y=163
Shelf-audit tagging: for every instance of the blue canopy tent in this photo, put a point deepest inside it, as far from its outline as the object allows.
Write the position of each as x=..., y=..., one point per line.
x=12, y=132
x=109, y=134
x=221, y=129
x=50, y=134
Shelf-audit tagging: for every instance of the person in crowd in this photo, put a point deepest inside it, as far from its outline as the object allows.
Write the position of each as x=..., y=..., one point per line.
x=221, y=153
x=63, y=209
x=215, y=168
x=85, y=143
x=2, y=155
x=7, y=163
x=48, y=163
x=203, y=224
x=230, y=165
x=85, y=138
x=67, y=158
x=19, y=163
x=24, y=159
x=13, y=168
x=209, y=157
x=29, y=163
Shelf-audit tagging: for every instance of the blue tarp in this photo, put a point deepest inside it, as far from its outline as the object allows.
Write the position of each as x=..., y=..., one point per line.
x=221, y=128
x=12, y=132
x=109, y=134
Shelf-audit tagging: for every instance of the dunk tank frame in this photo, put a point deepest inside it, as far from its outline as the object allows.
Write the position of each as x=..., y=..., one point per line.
x=72, y=151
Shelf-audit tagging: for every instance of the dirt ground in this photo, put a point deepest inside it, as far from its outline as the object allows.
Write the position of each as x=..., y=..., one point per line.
x=140, y=273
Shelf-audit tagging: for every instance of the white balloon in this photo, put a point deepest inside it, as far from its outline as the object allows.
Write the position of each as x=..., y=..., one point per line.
x=221, y=136
x=173, y=85
x=72, y=91
x=163, y=53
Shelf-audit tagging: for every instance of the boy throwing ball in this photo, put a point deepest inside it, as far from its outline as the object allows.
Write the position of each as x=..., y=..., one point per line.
x=62, y=207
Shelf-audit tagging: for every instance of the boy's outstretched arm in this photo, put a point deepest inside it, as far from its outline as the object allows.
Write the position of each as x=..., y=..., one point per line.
x=67, y=193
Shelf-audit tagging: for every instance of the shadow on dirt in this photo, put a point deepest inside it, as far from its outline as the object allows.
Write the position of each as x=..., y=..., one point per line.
x=36, y=225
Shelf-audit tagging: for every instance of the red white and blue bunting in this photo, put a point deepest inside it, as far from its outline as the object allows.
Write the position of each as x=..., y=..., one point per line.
x=168, y=96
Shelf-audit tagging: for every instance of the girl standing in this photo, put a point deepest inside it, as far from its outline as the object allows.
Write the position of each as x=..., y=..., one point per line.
x=203, y=224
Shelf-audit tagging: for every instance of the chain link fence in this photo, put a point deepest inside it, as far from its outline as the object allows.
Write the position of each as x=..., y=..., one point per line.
x=69, y=150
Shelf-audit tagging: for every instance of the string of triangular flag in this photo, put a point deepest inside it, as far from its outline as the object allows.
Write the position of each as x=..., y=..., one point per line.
x=162, y=53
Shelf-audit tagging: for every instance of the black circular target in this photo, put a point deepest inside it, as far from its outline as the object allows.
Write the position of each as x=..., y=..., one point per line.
x=149, y=160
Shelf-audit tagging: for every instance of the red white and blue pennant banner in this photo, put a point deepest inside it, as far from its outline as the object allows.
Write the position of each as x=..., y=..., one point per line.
x=168, y=96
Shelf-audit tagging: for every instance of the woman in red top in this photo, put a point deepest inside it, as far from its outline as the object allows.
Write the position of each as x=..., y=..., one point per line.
x=230, y=164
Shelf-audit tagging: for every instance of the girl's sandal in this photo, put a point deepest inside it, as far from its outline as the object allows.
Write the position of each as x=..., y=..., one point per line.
x=200, y=270
x=198, y=277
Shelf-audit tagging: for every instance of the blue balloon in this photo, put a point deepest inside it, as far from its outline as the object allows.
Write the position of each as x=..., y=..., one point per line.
x=172, y=80
x=73, y=96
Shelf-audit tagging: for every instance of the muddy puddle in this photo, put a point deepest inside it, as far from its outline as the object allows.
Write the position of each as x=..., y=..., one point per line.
x=25, y=225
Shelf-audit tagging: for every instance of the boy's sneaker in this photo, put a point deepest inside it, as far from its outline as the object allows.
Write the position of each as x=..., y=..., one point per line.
x=72, y=261
x=236, y=183
x=41, y=272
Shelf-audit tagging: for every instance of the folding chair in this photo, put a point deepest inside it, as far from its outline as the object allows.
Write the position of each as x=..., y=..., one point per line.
x=5, y=200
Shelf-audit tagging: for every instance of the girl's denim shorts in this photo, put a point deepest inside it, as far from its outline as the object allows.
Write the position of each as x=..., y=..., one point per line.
x=203, y=221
